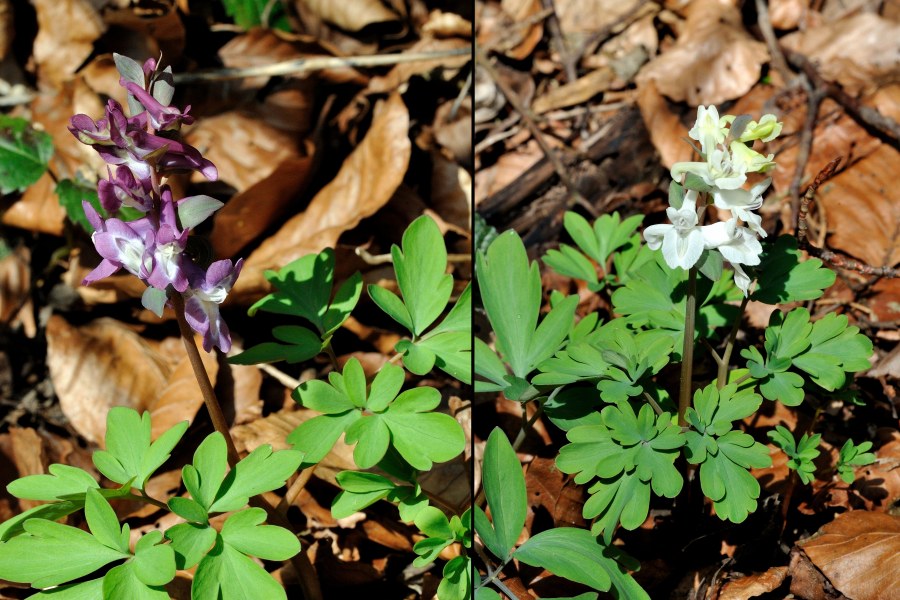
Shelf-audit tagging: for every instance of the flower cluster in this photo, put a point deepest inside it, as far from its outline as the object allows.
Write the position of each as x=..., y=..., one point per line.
x=143, y=148
x=725, y=146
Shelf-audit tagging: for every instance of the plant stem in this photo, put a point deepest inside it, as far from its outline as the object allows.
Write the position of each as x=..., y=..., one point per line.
x=656, y=407
x=206, y=388
x=687, y=353
x=722, y=378
x=145, y=498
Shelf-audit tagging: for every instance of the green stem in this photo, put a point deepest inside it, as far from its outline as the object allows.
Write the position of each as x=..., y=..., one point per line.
x=722, y=378
x=656, y=407
x=687, y=353
x=145, y=498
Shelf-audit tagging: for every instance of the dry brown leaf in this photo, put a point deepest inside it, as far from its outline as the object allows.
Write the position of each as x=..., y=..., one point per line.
x=588, y=16
x=451, y=193
x=247, y=381
x=100, y=365
x=754, y=585
x=714, y=60
x=28, y=456
x=7, y=23
x=402, y=72
x=666, y=130
x=863, y=208
x=508, y=168
x=529, y=30
x=15, y=282
x=576, y=92
x=38, y=209
x=548, y=487
x=249, y=213
x=181, y=397
x=351, y=15
x=244, y=149
x=102, y=76
x=859, y=553
x=67, y=30
x=258, y=47
x=787, y=14
x=158, y=25
x=446, y=24
x=365, y=182
x=859, y=52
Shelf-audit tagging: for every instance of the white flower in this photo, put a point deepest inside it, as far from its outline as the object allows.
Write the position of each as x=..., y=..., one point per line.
x=682, y=241
x=718, y=171
x=737, y=244
x=741, y=279
x=747, y=160
x=740, y=202
x=708, y=129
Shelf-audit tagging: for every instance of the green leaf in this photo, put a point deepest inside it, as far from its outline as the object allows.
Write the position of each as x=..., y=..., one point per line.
x=421, y=272
x=419, y=436
x=836, y=349
x=71, y=193
x=123, y=582
x=391, y=304
x=248, y=14
x=315, y=438
x=359, y=490
x=190, y=543
x=852, y=456
x=154, y=562
x=781, y=277
x=24, y=154
x=49, y=554
x=456, y=584
x=452, y=352
x=86, y=590
x=303, y=288
x=129, y=456
x=50, y=512
x=303, y=345
x=372, y=438
x=103, y=522
x=511, y=293
x=244, y=532
x=225, y=573
x=504, y=489
x=204, y=476
x=261, y=471
x=576, y=555
x=63, y=480
x=189, y=509
x=416, y=358
x=800, y=454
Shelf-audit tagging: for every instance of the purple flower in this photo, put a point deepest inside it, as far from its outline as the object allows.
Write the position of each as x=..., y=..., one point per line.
x=168, y=248
x=201, y=310
x=161, y=117
x=121, y=245
x=125, y=189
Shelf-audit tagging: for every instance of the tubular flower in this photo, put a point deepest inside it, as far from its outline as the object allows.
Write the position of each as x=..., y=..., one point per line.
x=144, y=148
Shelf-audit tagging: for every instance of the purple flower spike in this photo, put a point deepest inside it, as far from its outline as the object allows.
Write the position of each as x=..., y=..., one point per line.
x=168, y=251
x=207, y=292
x=161, y=117
x=89, y=132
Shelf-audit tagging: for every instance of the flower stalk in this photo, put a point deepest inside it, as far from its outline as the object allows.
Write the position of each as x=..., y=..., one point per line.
x=687, y=352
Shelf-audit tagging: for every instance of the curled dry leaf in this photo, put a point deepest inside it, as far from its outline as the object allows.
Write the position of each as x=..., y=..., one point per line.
x=858, y=52
x=588, y=16
x=522, y=13
x=714, y=60
x=244, y=149
x=754, y=585
x=351, y=15
x=249, y=213
x=364, y=183
x=576, y=92
x=859, y=553
x=446, y=24
x=67, y=30
x=258, y=47
x=862, y=208
x=100, y=365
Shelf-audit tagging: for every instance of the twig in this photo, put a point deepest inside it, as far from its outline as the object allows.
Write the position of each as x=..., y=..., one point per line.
x=765, y=27
x=381, y=259
x=560, y=169
x=319, y=63
x=722, y=375
x=558, y=37
x=802, y=226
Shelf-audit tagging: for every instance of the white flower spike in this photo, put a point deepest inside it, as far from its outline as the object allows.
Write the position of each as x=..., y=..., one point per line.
x=682, y=241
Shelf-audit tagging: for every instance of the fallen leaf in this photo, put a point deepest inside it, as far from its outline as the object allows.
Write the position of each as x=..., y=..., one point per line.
x=247, y=380
x=451, y=193
x=588, y=16
x=576, y=92
x=249, y=213
x=15, y=283
x=38, y=209
x=859, y=52
x=244, y=149
x=787, y=14
x=67, y=30
x=446, y=24
x=548, y=487
x=663, y=123
x=528, y=30
x=100, y=365
x=7, y=27
x=351, y=15
x=863, y=208
x=754, y=585
x=159, y=24
x=28, y=456
x=365, y=182
x=508, y=168
x=859, y=553
x=255, y=48
x=714, y=59
x=181, y=397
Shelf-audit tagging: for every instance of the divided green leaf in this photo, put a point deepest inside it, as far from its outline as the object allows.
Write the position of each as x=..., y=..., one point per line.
x=781, y=277
x=24, y=154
